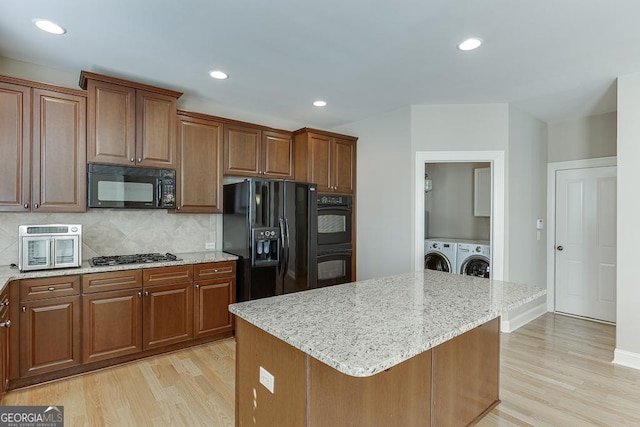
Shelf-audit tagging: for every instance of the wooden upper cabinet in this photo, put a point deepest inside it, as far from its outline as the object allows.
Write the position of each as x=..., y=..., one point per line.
x=327, y=159
x=251, y=151
x=344, y=162
x=129, y=123
x=199, y=170
x=277, y=154
x=15, y=140
x=59, y=182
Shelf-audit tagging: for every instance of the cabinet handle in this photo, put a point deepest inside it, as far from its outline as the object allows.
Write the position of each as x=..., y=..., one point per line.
x=132, y=160
x=139, y=294
x=177, y=208
x=51, y=289
x=5, y=324
x=24, y=309
x=139, y=160
x=197, y=286
x=26, y=205
x=146, y=293
x=5, y=303
x=215, y=270
x=35, y=206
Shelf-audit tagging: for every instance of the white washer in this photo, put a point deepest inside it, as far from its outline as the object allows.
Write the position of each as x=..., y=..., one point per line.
x=474, y=258
x=440, y=255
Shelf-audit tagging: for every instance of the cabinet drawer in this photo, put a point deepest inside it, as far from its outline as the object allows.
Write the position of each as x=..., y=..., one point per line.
x=213, y=270
x=48, y=287
x=111, y=281
x=165, y=275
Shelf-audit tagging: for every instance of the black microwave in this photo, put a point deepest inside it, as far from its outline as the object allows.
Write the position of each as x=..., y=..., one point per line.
x=111, y=186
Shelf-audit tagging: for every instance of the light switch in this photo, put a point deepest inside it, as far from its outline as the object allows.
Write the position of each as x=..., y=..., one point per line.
x=539, y=224
x=266, y=379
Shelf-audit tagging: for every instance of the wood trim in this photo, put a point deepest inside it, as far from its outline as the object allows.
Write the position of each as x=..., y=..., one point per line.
x=41, y=85
x=228, y=121
x=86, y=75
x=325, y=133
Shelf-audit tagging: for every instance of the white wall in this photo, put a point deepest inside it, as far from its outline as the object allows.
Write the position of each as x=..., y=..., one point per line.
x=584, y=138
x=628, y=288
x=527, y=182
x=450, y=203
x=384, y=194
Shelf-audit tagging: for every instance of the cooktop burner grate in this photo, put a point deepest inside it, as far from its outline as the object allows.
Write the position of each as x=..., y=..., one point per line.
x=101, y=261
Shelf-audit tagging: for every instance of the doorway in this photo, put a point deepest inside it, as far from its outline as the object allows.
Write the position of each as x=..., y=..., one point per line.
x=581, y=259
x=497, y=232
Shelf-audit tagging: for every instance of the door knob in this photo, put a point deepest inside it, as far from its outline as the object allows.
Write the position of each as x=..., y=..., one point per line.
x=559, y=248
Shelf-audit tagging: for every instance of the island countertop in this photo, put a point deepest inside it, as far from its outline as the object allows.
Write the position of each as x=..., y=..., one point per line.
x=365, y=327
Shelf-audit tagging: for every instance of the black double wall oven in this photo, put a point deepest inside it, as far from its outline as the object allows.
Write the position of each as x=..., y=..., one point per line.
x=334, y=254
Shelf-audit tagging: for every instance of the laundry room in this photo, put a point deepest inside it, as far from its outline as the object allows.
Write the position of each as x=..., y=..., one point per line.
x=458, y=217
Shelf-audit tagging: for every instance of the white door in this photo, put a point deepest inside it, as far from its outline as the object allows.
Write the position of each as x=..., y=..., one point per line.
x=585, y=243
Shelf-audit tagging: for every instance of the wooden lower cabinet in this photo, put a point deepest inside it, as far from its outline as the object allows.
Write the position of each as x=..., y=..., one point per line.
x=167, y=314
x=5, y=323
x=49, y=335
x=215, y=289
x=67, y=325
x=111, y=324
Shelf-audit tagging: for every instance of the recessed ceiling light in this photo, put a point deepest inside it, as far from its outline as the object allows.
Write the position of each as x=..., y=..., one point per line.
x=470, y=44
x=217, y=74
x=320, y=103
x=48, y=26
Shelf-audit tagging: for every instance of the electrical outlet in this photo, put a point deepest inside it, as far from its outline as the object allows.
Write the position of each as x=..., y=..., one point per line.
x=210, y=245
x=267, y=380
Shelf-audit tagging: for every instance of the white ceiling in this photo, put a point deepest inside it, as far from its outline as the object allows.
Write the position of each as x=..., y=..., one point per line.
x=556, y=59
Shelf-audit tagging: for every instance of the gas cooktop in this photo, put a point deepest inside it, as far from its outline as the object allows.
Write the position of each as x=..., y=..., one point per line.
x=101, y=261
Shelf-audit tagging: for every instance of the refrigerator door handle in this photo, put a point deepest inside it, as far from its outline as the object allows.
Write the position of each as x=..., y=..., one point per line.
x=281, y=264
x=286, y=255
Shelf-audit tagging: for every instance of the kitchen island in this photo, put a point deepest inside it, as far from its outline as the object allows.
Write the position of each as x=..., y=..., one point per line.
x=407, y=350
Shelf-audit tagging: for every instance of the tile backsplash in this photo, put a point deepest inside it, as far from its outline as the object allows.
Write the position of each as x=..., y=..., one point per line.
x=115, y=232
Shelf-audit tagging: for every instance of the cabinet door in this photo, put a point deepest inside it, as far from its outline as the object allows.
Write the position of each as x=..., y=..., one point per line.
x=212, y=298
x=199, y=186
x=49, y=335
x=167, y=314
x=241, y=150
x=320, y=161
x=111, y=123
x=344, y=165
x=155, y=130
x=59, y=179
x=15, y=137
x=111, y=324
x=277, y=155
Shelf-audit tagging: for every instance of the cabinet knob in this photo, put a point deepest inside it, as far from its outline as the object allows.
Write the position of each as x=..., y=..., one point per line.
x=35, y=206
x=5, y=324
x=26, y=205
x=197, y=286
x=139, y=294
x=139, y=160
x=177, y=208
x=132, y=160
x=146, y=293
x=51, y=289
x=5, y=303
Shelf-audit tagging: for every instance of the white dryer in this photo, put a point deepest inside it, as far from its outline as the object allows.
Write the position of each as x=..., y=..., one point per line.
x=440, y=255
x=474, y=258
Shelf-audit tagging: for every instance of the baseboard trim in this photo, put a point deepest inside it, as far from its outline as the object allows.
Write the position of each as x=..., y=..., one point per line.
x=626, y=358
x=514, y=323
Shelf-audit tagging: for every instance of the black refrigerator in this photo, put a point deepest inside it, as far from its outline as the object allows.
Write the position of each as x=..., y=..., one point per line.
x=272, y=226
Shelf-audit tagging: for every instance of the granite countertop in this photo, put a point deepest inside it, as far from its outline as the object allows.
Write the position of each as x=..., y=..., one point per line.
x=8, y=273
x=365, y=327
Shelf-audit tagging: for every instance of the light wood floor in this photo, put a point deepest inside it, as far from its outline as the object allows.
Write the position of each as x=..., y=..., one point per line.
x=555, y=371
